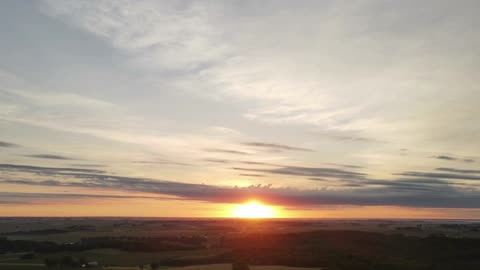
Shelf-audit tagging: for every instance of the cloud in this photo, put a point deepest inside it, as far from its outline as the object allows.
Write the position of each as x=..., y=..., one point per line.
x=38, y=198
x=226, y=151
x=166, y=35
x=214, y=50
x=7, y=144
x=356, y=68
x=164, y=162
x=458, y=170
x=443, y=196
x=445, y=157
x=251, y=175
x=400, y=192
x=229, y=161
x=308, y=171
x=440, y=175
x=260, y=163
x=44, y=170
x=48, y=156
x=89, y=165
x=26, y=102
x=216, y=160
x=413, y=185
x=341, y=136
x=276, y=147
x=346, y=165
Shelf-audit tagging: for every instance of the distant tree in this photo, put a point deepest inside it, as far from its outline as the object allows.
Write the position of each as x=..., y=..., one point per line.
x=82, y=261
x=68, y=261
x=240, y=266
x=154, y=266
x=27, y=256
x=49, y=262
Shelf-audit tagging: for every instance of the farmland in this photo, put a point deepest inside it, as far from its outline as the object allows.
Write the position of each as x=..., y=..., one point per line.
x=30, y=243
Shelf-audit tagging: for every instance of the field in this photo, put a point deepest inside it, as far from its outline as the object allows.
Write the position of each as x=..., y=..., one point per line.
x=118, y=257
x=73, y=229
x=193, y=267
x=124, y=244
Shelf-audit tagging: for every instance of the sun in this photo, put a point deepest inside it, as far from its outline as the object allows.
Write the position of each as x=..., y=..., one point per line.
x=253, y=209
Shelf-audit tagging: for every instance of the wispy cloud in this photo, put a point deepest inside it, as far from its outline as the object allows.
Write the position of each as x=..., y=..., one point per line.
x=48, y=156
x=347, y=137
x=307, y=171
x=89, y=165
x=445, y=157
x=216, y=160
x=146, y=31
x=276, y=147
x=8, y=145
x=217, y=52
x=162, y=162
x=451, y=158
x=440, y=175
x=251, y=175
x=346, y=165
x=260, y=163
x=48, y=170
x=39, y=198
x=458, y=170
x=226, y=151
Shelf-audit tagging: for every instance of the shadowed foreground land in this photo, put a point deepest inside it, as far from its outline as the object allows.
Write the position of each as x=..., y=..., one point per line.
x=216, y=243
x=194, y=267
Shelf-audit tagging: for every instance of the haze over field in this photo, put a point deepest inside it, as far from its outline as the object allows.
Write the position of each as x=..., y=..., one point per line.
x=313, y=109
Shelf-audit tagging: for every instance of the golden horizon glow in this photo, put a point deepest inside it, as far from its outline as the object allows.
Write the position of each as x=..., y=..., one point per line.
x=253, y=209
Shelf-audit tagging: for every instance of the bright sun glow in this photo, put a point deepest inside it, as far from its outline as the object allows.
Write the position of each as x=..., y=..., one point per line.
x=253, y=209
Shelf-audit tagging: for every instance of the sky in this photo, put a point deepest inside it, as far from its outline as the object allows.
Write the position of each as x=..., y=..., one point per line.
x=322, y=109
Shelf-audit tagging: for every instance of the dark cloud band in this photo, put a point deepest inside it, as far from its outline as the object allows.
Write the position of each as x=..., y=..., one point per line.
x=419, y=192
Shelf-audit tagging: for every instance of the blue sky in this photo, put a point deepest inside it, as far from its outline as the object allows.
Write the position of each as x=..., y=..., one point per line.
x=306, y=104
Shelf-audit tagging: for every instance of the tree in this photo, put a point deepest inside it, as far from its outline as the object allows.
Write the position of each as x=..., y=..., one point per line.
x=240, y=266
x=49, y=262
x=154, y=266
x=68, y=261
x=27, y=256
x=82, y=261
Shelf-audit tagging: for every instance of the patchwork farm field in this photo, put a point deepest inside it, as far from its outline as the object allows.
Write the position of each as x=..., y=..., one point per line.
x=190, y=244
